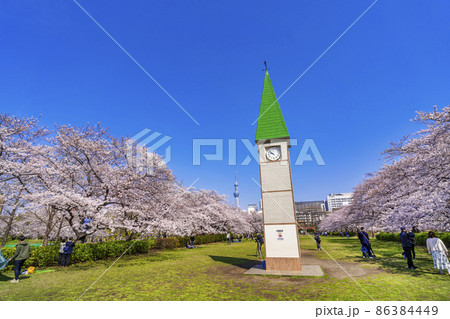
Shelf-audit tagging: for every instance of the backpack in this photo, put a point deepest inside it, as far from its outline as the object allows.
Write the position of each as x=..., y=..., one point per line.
x=412, y=239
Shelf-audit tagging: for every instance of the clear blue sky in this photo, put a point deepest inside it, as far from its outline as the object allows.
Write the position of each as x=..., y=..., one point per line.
x=57, y=63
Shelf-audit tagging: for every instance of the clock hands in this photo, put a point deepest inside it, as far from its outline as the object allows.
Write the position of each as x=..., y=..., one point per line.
x=273, y=154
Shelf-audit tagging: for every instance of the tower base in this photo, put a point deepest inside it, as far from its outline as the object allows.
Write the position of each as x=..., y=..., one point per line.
x=308, y=270
x=284, y=264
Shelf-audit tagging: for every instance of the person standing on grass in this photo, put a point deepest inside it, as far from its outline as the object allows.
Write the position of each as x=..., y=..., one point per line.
x=259, y=243
x=406, y=245
x=228, y=238
x=62, y=245
x=439, y=252
x=68, y=249
x=192, y=239
x=412, y=239
x=22, y=253
x=365, y=241
x=318, y=240
x=364, y=251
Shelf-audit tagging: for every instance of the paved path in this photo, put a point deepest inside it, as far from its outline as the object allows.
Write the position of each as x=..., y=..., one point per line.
x=333, y=270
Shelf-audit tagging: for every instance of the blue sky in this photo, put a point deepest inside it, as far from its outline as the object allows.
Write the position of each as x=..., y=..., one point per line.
x=55, y=62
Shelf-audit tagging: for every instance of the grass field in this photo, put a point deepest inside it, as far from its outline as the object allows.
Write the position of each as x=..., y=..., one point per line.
x=215, y=272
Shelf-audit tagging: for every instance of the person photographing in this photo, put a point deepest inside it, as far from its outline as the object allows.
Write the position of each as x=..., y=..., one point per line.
x=259, y=242
x=405, y=240
x=365, y=242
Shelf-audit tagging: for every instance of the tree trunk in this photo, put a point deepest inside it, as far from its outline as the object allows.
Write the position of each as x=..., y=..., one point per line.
x=8, y=228
x=2, y=202
x=11, y=218
x=77, y=233
x=48, y=227
x=130, y=236
x=59, y=229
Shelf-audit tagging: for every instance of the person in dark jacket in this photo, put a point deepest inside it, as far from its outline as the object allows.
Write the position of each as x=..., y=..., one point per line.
x=412, y=239
x=318, y=240
x=192, y=239
x=259, y=243
x=68, y=252
x=406, y=245
x=22, y=253
x=365, y=241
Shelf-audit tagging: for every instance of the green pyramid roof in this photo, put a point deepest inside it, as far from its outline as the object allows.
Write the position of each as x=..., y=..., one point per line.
x=270, y=122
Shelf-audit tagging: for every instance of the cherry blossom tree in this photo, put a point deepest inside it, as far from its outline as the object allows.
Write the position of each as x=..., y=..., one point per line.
x=201, y=212
x=18, y=137
x=82, y=183
x=413, y=186
x=88, y=181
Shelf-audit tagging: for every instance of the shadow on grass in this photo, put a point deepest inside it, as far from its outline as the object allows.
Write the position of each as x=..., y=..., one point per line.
x=394, y=263
x=3, y=277
x=388, y=257
x=235, y=261
x=399, y=266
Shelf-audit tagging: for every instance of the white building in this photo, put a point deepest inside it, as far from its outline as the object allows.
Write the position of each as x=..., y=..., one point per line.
x=310, y=212
x=338, y=200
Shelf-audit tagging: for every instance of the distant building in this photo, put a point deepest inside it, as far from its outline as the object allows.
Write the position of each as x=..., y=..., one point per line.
x=338, y=200
x=252, y=208
x=310, y=212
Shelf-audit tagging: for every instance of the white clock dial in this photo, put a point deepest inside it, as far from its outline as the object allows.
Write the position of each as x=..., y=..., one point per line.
x=273, y=153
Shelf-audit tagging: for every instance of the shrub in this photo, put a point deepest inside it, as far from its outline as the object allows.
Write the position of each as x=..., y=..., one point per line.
x=202, y=239
x=421, y=238
x=167, y=243
x=388, y=237
x=43, y=256
x=48, y=256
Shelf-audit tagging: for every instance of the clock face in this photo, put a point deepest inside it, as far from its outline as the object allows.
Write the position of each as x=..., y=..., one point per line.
x=273, y=153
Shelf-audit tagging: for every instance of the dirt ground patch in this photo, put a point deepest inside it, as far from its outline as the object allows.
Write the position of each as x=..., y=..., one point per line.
x=339, y=270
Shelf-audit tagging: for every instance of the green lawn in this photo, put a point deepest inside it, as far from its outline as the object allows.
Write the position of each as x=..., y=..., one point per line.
x=215, y=272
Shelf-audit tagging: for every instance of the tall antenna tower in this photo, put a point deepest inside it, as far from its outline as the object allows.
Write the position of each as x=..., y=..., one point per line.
x=236, y=191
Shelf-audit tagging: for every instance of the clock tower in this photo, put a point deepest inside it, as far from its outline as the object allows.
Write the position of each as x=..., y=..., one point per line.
x=280, y=227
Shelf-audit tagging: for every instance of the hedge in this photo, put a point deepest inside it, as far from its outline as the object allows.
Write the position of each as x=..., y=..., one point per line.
x=167, y=243
x=421, y=238
x=202, y=239
x=173, y=242
x=48, y=255
x=338, y=233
